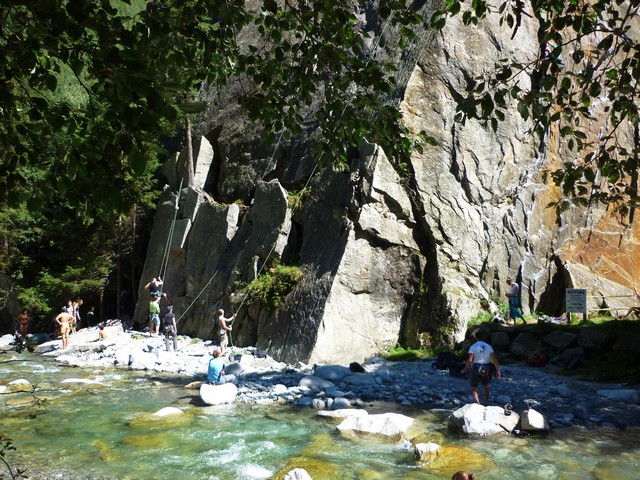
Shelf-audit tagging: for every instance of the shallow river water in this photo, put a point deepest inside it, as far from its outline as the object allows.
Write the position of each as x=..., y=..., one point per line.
x=76, y=431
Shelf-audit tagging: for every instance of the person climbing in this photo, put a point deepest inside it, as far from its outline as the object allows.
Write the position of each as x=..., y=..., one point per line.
x=224, y=327
x=514, y=301
x=481, y=355
x=64, y=320
x=216, y=374
x=155, y=289
x=154, y=315
x=170, y=328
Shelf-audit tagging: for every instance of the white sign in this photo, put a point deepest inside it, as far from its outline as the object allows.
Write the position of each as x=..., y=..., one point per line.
x=576, y=300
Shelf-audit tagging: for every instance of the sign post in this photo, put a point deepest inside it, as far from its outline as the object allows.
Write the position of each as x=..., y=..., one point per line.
x=576, y=302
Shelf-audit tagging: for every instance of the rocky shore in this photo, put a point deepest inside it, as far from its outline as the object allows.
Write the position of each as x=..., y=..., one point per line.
x=564, y=401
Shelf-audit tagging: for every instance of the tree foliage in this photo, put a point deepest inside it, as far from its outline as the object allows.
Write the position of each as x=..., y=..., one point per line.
x=136, y=66
x=588, y=65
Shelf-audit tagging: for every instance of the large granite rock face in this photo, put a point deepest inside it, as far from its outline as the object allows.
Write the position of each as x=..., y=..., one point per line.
x=386, y=257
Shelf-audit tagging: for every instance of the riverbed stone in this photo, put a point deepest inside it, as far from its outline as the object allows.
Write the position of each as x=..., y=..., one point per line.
x=360, y=379
x=340, y=403
x=386, y=424
x=343, y=413
x=425, y=452
x=626, y=395
x=163, y=412
x=316, y=384
x=533, y=421
x=332, y=373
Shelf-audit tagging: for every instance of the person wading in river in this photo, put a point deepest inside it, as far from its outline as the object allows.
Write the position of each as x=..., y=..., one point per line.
x=481, y=355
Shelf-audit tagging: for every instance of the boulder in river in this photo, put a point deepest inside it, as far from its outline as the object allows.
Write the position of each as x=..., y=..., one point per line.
x=474, y=419
x=218, y=394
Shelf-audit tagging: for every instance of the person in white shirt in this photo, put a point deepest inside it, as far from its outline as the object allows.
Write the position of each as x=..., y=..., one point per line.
x=481, y=355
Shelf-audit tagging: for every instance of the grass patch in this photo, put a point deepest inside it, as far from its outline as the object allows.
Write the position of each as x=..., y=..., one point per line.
x=273, y=287
x=401, y=354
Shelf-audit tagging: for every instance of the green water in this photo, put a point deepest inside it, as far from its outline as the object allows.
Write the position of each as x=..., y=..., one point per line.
x=105, y=432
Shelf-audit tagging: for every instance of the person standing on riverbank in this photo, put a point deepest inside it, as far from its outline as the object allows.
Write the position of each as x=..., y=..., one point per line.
x=169, y=328
x=216, y=374
x=224, y=327
x=514, y=301
x=481, y=355
x=22, y=324
x=64, y=319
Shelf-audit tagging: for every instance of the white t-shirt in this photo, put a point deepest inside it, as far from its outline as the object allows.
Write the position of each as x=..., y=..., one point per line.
x=513, y=292
x=481, y=352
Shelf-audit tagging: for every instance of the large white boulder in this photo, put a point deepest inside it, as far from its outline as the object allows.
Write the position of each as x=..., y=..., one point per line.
x=474, y=419
x=218, y=394
x=387, y=424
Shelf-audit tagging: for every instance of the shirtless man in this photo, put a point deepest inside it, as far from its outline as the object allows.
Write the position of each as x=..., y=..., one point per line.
x=64, y=319
x=224, y=326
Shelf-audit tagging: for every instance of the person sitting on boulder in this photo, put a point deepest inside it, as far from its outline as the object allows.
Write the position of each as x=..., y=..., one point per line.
x=216, y=374
x=481, y=355
x=102, y=332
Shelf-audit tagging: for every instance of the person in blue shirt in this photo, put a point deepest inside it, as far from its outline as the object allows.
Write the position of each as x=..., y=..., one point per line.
x=216, y=374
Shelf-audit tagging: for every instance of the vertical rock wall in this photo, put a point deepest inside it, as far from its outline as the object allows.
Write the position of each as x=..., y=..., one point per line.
x=386, y=258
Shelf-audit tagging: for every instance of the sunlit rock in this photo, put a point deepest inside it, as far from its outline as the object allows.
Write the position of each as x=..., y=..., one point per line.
x=218, y=394
x=387, y=424
x=475, y=419
x=532, y=420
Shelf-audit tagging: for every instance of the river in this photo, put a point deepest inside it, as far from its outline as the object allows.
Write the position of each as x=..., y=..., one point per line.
x=105, y=431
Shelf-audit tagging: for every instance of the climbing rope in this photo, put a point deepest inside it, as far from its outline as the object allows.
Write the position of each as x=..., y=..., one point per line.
x=165, y=256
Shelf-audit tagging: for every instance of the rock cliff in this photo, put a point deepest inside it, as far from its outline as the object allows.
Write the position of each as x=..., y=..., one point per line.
x=388, y=255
